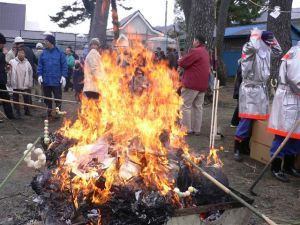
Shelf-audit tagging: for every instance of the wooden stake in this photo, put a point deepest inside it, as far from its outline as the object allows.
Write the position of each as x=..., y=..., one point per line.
x=229, y=192
x=40, y=96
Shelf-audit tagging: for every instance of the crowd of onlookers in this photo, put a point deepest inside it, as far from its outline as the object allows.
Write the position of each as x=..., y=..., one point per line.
x=43, y=71
x=47, y=70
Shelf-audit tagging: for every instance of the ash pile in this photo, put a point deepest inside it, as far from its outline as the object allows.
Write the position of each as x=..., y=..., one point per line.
x=129, y=201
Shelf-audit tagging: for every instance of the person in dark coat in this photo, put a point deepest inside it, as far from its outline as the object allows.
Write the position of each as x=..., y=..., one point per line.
x=78, y=79
x=237, y=83
x=3, y=80
x=172, y=60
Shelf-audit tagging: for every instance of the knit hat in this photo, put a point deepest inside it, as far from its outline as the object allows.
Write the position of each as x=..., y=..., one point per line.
x=2, y=39
x=39, y=45
x=51, y=39
x=267, y=36
x=95, y=41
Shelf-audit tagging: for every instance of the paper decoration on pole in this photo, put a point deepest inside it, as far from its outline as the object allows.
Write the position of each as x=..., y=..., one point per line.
x=276, y=12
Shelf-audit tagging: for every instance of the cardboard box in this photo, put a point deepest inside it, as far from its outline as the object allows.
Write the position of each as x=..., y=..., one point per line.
x=260, y=152
x=260, y=134
x=261, y=142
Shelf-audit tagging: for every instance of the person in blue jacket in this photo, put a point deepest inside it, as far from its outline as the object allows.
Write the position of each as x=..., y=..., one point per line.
x=52, y=72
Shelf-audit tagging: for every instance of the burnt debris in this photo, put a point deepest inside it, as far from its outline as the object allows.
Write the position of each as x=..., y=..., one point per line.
x=129, y=204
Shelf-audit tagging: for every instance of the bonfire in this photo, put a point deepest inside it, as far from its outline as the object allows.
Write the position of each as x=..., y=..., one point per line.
x=120, y=161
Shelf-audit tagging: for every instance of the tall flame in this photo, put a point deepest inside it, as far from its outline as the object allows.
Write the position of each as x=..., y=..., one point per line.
x=132, y=122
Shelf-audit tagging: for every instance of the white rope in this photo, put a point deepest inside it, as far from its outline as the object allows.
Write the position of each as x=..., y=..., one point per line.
x=269, y=9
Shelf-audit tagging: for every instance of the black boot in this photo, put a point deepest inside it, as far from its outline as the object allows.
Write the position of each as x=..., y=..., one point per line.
x=27, y=112
x=277, y=171
x=237, y=151
x=245, y=149
x=289, y=166
x=18, y=114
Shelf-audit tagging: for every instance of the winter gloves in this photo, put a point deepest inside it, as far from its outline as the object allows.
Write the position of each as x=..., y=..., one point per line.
x=40, y=80
x=62, y=81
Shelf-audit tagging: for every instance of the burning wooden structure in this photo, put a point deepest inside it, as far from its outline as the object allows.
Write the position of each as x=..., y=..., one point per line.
x=120, y=161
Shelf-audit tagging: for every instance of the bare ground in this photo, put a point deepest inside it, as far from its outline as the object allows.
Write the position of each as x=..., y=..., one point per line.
x=279, y=201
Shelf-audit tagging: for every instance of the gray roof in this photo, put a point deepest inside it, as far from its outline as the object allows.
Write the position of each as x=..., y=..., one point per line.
x=264, y=16
x=30, y=35
x=127, y=18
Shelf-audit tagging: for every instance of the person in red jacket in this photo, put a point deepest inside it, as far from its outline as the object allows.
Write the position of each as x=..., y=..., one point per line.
x=194, y=85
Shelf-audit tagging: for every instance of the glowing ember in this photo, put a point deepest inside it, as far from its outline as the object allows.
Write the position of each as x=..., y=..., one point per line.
x=128, y=132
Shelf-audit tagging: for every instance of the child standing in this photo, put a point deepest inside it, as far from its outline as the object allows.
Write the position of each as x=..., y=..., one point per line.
x=78, y=78
x=20, y=79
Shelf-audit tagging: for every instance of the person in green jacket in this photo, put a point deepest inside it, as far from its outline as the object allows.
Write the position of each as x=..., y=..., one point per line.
x=71, y=63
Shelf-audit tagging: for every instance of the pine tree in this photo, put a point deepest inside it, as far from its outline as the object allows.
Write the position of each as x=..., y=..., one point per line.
x=95, y=10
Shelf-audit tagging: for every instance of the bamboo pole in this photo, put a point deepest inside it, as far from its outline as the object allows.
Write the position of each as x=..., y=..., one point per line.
x=39, y=96
x=11, y=123
x=18, y=163
x=216, y=114
x=212, y=113
x=274, y=156
x=229, y=192
x=25, y=104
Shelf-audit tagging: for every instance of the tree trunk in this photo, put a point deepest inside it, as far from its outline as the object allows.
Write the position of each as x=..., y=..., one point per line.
x=219, y=41
x=91, y=24
x=99, y=22
x=115, y=19
x=186, y=6
x=201, y=21
x=281, y=27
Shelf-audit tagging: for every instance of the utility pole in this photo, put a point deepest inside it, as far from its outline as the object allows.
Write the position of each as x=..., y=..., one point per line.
x=166, y=31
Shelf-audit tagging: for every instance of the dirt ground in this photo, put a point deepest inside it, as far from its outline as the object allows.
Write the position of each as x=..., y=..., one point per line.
x=279, y=201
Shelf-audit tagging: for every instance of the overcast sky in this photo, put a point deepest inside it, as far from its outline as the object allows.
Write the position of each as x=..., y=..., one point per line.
x=38, y=11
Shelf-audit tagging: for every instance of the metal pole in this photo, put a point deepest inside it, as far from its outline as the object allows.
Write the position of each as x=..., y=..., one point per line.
x=75, y=42
x=166, y=20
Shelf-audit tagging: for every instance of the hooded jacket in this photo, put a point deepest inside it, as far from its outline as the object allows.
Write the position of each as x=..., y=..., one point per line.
x=253, y=96
x=52, y=66
x=286, y=104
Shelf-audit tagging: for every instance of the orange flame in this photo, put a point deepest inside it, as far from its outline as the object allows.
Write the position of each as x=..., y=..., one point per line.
x=131, y=122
